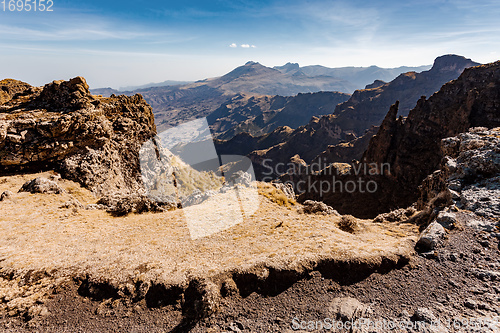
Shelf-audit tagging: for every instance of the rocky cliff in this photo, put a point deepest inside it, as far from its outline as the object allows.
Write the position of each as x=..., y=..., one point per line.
x=368, y=107
x=411, y=147
x=365, y=108
x=62, y=126
x=307, y=141
x=345, y=152
x=260, y=115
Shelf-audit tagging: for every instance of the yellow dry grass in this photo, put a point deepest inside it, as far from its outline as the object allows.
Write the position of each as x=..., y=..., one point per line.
x=277, y=196
x=36, y=235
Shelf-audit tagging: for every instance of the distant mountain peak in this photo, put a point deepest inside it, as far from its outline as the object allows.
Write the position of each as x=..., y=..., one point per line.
x=375, y=84
x=288, y=67
x=251, y=68
x=251, y=63
x=452, y=62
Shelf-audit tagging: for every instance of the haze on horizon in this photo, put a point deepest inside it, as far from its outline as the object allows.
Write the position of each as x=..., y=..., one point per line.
x=127, y=43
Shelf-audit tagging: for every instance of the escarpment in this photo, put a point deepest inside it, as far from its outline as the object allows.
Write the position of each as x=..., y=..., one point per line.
x=410, y=148
x=414, y=151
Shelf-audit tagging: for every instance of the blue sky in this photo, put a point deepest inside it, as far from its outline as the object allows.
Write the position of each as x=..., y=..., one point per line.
x=122, y=43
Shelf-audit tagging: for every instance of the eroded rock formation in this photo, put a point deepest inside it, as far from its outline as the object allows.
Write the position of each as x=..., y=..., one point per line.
x=89, y=139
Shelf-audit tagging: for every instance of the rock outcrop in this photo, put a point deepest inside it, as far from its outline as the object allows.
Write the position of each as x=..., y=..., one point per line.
x=315, y=207
x=41, y=185
x=89, y=139
x=348, y=309
x=470, y=171
x=430, y=237
x=6, y=195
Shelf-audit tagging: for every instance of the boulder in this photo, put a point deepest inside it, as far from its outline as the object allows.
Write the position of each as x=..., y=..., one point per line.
x=242, y=178
x=430, y=238
x=197, y=197
x=41, y=185
x=447, y=219
x=287, y=189
x=120, y=204
x=424, y=315
x=6, y=195
x=202, y=299
x=317, y=207
x=347, y=309
x=398, y=215
x=348, y=223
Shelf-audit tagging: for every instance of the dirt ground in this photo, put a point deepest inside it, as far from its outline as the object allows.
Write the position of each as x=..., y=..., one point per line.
x=449, y=285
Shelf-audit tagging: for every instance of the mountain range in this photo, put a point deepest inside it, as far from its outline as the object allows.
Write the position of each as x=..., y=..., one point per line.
x=153, y=84
x=174, y=105
x=328, y=136
x=359, y=77
x=258, y=115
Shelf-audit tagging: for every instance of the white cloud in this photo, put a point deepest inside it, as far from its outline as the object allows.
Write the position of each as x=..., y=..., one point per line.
x=244, y=46
x=76, y=27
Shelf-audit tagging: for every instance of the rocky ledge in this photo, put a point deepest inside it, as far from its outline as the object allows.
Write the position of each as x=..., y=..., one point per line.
x=470, y=172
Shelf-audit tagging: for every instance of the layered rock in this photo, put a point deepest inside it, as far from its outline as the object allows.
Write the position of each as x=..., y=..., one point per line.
x=89, y=139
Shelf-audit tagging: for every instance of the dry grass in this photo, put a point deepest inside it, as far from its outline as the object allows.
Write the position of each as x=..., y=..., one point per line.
x=38, y=236
x=277, y=196
x=190, y=179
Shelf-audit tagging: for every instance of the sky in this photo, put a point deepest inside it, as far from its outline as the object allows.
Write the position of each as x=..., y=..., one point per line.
x=127, y=43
